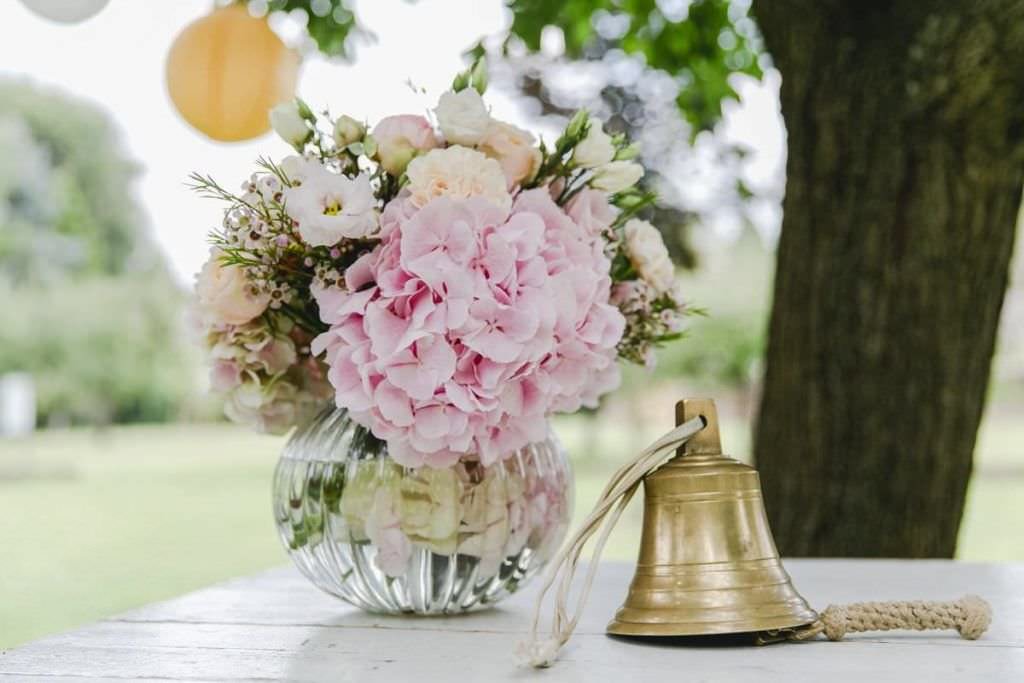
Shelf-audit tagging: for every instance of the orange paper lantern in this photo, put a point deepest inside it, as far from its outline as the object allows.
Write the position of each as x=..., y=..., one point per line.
x=227, y=70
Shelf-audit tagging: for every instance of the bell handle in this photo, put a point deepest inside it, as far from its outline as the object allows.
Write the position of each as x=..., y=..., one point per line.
x=708, y=441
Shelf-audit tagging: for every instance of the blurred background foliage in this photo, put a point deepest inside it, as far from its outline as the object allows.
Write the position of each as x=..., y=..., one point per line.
x=701, y=44
x=77, y=260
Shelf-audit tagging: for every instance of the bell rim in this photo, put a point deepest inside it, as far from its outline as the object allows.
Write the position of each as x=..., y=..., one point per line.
x=640, y=629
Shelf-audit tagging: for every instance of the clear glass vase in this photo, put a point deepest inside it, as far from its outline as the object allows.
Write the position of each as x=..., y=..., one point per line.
x=393, y=539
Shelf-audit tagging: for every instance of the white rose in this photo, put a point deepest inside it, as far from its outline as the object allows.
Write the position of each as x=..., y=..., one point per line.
x=224, y=293
x=616, y=176
x=649, y=256
x=289, y=124
x=594, y=150
x=330, y=207
x=462, y=117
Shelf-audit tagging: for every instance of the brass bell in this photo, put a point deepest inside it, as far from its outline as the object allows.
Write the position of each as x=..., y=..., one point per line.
x=708, y=563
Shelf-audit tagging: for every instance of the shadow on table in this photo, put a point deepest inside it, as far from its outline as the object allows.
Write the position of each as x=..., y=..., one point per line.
x=355, y=643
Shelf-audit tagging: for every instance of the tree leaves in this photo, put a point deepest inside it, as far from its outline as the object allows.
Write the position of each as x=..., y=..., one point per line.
x=701, y=43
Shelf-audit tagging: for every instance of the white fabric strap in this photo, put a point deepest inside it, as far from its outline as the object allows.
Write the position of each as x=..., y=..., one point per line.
x=612, y=501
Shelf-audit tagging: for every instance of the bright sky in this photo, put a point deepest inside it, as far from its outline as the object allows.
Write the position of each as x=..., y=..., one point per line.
x=116, y=60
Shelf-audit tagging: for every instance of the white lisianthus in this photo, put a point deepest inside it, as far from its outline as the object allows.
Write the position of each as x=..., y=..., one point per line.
x=616, y=176
x=457, y=172
x=330, y=207
x=297, y=169
x=347, y=130
x=649, y=256
x=288, y=122
x=594, y=150
x=462, y=117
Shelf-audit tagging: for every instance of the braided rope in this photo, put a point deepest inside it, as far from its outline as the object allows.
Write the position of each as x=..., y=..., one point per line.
x=970, y=616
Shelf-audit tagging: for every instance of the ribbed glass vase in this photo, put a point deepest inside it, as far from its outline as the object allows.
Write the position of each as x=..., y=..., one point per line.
x=393, y=539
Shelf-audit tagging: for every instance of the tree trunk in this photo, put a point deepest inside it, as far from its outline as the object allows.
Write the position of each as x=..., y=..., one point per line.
x=906, y=163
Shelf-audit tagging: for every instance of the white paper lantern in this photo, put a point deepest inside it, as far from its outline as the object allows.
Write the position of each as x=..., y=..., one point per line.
x=66, y=11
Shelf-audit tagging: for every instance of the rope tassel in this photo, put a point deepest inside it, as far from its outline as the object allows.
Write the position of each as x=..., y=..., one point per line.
x=970, y=616
x=542, y=652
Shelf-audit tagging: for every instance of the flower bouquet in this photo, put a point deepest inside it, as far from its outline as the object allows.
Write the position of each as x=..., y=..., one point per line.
x=442, y=284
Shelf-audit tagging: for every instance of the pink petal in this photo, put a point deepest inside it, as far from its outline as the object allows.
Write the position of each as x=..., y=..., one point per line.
x=495, y=345
x=394, y=405
x=431, y=422
x=360, y=273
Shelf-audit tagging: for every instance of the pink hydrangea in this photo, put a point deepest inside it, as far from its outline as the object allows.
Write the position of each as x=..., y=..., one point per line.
x=468, y=325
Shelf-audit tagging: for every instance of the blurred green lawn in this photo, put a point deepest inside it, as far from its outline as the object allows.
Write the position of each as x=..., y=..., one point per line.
x=93, y=523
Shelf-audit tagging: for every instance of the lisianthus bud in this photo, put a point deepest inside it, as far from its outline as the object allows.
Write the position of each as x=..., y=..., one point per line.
x=616, y=176
x=474, y=77
x=478, y=76
x=347, y=130
x=629, y=152
x=463, y=117
x=288, y=122
x=595, y=149
x=576, y=124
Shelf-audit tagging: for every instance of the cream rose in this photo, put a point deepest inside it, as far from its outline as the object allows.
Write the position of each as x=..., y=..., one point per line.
x=462, y=117
x=514, y=149
x=649, y=256
x=400, y=138
x=226, y=295
x=616, y=176
x=456, y=172
x=595, y=149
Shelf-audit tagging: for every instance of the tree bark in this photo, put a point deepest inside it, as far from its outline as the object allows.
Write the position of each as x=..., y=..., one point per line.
x=905, y=123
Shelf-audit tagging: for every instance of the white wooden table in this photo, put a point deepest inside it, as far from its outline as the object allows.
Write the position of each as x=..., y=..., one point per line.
x=276, y=626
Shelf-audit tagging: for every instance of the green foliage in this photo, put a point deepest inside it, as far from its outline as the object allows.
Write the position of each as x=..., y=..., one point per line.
x=66, y=200
x=330, y=23
x=700, y=43
x=727, y=354
x=100, y=350
x=88, y=308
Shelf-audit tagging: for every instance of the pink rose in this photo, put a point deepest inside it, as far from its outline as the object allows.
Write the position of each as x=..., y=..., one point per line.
x=226, y=295
x=400, y=138
x=591, y=211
